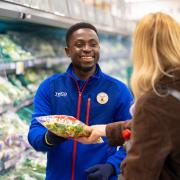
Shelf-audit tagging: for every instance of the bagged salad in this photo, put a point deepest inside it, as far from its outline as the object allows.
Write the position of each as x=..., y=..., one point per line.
x=65, y=126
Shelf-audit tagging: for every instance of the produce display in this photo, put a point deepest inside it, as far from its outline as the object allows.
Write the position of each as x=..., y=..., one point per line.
x=41, y=55
x=40, y=48
x=18, y=160
x=10, y=51
x=13, y=140
x=115, y=57
x=31, y=167
x=9, y=91
x=17, y=88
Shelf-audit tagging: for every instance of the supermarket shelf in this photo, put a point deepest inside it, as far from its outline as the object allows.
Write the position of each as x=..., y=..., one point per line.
x=16, y=12
x=10, y=107
x=28, y=14
x=19, y=66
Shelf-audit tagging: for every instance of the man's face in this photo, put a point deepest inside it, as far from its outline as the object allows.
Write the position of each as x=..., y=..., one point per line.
x=83, y=49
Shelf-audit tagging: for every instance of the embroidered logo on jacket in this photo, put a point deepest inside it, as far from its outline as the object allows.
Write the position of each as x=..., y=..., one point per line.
x=102, y=98
x=60, y=94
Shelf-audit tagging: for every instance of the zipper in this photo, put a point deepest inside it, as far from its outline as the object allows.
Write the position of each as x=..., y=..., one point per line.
x=79, y=105
x=88, y=110
x=78, y=117
x=75, y=143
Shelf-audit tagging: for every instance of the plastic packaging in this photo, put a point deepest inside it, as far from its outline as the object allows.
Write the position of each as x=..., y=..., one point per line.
x=65, y=126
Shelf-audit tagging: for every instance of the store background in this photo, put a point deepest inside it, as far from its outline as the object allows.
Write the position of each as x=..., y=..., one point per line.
x=32, y=48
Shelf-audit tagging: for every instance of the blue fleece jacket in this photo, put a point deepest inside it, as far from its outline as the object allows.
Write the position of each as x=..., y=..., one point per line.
x=100, y=100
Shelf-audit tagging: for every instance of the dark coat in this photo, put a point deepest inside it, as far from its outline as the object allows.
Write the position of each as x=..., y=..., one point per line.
x=155, y=150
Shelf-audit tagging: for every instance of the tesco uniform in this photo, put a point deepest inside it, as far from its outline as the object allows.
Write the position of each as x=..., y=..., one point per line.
x=99, y=100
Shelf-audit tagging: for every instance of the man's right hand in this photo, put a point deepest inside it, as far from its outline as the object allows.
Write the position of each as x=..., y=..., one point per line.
x=52, y=139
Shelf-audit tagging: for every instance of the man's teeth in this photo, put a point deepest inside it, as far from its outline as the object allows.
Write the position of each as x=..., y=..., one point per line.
x=87, y=57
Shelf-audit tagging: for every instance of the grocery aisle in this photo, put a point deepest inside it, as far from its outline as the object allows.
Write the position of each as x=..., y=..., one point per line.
x=32, y=48
x=29, y=52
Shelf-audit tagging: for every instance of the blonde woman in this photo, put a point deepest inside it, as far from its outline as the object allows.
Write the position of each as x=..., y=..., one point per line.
x=155, y=150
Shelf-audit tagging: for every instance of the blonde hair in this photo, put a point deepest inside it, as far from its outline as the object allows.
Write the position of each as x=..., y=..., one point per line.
x=156, y=51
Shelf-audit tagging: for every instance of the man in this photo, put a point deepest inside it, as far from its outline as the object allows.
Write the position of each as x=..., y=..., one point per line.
x=91, y=96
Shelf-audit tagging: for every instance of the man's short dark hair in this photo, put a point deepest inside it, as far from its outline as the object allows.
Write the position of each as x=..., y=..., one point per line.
x=75, y=27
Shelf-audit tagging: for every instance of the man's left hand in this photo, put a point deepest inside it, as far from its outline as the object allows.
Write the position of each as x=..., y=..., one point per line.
x=100, y=172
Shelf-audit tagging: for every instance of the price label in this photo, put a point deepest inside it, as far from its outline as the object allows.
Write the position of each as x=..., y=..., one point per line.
x=20, y=68
x=12, y=66
x=49, y=63
x=29, y=63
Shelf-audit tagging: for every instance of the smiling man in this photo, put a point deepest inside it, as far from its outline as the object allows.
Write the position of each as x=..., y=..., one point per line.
x=91, y=96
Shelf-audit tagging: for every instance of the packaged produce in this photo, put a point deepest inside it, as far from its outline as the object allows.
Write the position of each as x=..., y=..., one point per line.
x=65, y=126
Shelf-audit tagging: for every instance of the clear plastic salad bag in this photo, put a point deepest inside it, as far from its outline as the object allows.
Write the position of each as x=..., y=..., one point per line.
x=64, y=126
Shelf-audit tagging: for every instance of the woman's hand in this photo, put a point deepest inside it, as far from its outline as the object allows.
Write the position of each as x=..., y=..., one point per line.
x=96, y=132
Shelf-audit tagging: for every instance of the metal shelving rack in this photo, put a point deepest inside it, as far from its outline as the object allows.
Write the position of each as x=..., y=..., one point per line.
x=17, y=12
